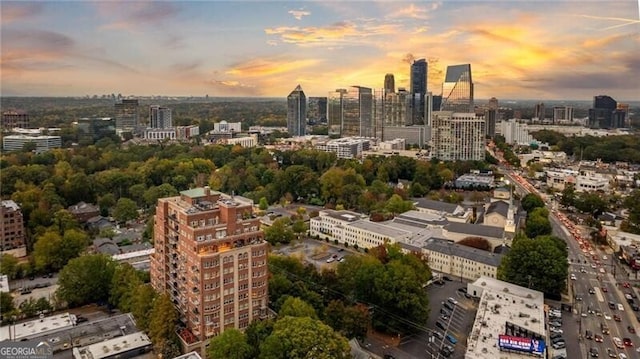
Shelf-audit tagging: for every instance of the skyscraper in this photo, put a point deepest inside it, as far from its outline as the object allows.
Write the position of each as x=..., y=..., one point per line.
x=601, y=115
x=160, y=117
x=458, y=136
x=562, y=114
x=457, y=89
x=317, y=110
x=297, y=112
x=11, y=119
x=351, y=112
x=211, y=259
x=418, y=90
x=389, y=84
x=127, y=114
x=539, y=111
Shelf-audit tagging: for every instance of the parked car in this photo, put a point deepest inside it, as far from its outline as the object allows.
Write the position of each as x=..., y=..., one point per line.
x=441, y=325
x=616, y=318
x=452, y=301
x=451, y=339
x=588, y=334
x=447, y=278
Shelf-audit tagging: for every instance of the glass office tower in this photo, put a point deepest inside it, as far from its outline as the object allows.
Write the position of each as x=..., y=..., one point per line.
x=457, y=89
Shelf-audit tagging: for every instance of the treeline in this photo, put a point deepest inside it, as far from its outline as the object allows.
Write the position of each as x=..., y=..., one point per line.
x=318, y=311
x=609, y=149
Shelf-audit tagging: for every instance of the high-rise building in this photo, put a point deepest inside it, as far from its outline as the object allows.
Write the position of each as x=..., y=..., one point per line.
x=539, y=111
x=317, y=110
x=491, y=117
x=211, y=259
x=389, y=84
x=91, y=129
x=351, y=112
x=601, y=115
x=397, y=109
x=12, y=238
x=127, y=114
x=562, y=114
x=493, y=104
x=624, y=109
x=458, y=136
x=297, y=112
x=457, y=89
x=160, y=117
x=418, y=91
x=12, y=119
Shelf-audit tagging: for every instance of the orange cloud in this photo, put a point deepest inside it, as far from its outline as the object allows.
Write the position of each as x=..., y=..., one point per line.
x=12, y=11
x=340, y=32
x=415, y=12
x=264, y=67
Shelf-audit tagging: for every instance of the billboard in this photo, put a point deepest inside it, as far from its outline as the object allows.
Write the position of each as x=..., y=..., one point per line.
x=528, y=345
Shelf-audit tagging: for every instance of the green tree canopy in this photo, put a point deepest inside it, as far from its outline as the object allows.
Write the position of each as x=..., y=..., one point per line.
x=296, y=307
x=162, y=324
x=124, y=285
x=52, y=251
x=532, y=201
x=279, y=232
x=86, y=279
x=539, y=263
x=538, y=223
x=9, y=265
x=125, y=210
x=304, y=338
x=231, y=344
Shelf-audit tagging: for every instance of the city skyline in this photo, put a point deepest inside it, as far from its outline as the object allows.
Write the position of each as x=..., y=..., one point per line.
x=518, y=50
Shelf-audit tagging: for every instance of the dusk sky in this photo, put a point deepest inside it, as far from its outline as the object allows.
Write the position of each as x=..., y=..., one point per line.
x=517, y=49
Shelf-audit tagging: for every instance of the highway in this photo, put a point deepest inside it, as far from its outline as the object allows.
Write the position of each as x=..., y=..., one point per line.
x=593, y=287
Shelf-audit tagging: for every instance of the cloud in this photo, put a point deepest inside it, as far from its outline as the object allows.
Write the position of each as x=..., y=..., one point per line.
x=231, y=88
x=624, y=21
x=272, y=43
x=267, y=67
x=336, y=33
x=27, y=50
x=299, y=14
x=12, y=11
x=415, y=12
x=137, y=13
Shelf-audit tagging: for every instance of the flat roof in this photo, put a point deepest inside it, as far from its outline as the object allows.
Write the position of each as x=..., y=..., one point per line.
x=190, y=355
x=112, y=347
x=475, y=229
x=129, y=255
x=503, y=305
x=37, y=326
x=379, y=228
x=477, y=255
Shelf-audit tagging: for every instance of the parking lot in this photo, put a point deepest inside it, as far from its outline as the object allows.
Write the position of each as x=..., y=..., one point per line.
x=458, y=323
x=319, y=253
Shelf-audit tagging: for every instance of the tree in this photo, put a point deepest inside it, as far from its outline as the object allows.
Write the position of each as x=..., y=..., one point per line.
x=476, y=242
x=231, y=344
x=532, y=201
x=142, y=303
x=123, y=287
x=538, y=223
x=632, y=203
x=568, y=198
x=279, y=232
x=303, y=338
x=352, y=322
x=52, y=252
x=397, y=205
x=162, y=324
x=6, y=303
x=539, y=263
x=86, y=279
x=264, y=204
x=125, y=210
x=296, y=307
x=64, y=220
x=9, y=265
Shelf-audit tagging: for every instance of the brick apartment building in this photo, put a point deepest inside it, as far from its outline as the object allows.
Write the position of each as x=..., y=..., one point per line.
x=12, y=239
x=211, y=258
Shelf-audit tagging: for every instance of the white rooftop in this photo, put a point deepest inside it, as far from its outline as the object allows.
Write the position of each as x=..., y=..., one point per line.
x=112, y=347
x=130, y=255
x=37, y=326
x=502, y=303
x=190, y=355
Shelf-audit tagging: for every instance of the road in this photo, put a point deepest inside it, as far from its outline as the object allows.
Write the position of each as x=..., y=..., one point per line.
x=596, y=282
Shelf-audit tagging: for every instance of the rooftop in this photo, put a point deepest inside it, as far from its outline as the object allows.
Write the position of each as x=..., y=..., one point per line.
x=346, y=216
x=390, y=232
x=10, y=204
x=436, y=205
x=190, y=355
x=37, y=326
x=504, y=308
x=475, y=229
x=499, y=207
x=113, y=347
x=477, y=255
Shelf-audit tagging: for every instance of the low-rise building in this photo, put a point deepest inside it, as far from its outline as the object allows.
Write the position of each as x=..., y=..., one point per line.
x=12, y=237
x=453, y=212
x=460, y=261
x=509, y=323
x=42, y=143
x=246, y=141
x=472, y=180
x=348, y=147
x=37, y=327
x=123, y=347
x=84, y=211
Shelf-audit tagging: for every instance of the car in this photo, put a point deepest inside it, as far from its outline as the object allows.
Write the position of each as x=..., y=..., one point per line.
x=631, y=329
x=598, y=338
x=578, y=298
x=582, y=270
x=627, y=342
x=452, y=301
x=330, y=260
x=444, y=317
x=341, y=250
x=451, y=339
x=556, y=330
x=25, y=291
x=462, y=290
x=607, y=317
x=588, y=334
x=438, y=335
x=616, y=318
x=584, y=315
x=447, y=278
x=635, y=307
x=604, y=289
x=618, y=342
x=611, y=353
x=559, y=345
x=626, y=285
x=594, y=266
x=445, y=312
x=555, y=324
x=573, y=277
x=555, y=335
x=441, y=325
x=448, y=305
x=592, y=291
x=612, y=305
x=557, y=340
x=622, y=356
x=54, y=340
x=341, y=259
x=593, y=352
x=389, y=356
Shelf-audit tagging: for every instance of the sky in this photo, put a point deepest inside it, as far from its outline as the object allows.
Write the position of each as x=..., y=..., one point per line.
x=551, y=50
